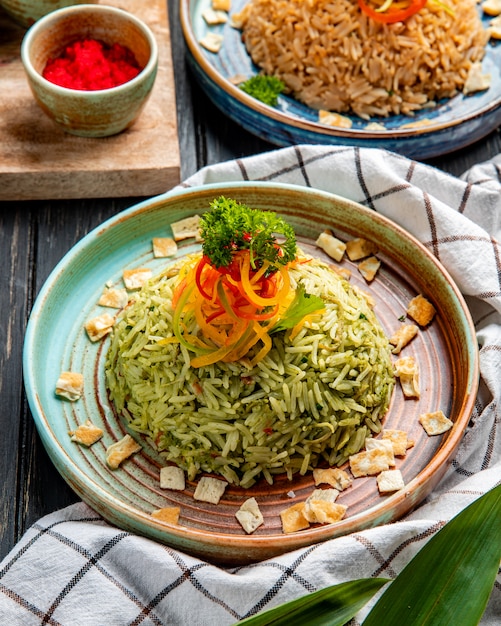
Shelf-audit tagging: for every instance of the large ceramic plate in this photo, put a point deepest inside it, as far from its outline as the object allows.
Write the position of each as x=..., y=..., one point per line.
x=455, y=123
x=56, y=341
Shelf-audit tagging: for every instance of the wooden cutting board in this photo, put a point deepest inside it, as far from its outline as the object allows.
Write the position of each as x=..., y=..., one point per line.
x=40, y=161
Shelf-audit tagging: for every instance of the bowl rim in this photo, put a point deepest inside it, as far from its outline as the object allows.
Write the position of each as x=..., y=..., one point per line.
x=54, y=16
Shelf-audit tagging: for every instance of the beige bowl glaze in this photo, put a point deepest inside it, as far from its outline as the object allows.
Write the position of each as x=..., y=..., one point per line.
x=27, y=12
x=90, y=113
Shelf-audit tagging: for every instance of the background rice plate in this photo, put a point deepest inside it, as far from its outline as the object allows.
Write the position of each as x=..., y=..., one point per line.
x=332, y=56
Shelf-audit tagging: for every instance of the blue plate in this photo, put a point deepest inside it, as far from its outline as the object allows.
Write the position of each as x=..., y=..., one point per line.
x=455, y=123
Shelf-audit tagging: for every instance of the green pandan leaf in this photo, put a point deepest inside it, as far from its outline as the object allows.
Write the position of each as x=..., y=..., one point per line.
x=450, y=579
x=332, y=606
x=447, y=583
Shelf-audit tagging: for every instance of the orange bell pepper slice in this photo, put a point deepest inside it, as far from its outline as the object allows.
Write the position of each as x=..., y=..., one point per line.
x=396, y=12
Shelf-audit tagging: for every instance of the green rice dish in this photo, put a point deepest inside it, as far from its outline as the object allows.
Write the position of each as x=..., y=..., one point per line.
x=312, y=400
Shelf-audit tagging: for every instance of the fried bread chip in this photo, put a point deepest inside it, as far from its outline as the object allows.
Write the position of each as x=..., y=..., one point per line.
x=69, y=385
x=435, y=423
x=421, y=310
x=168, y=514
x=121, y=450
x=86, y=434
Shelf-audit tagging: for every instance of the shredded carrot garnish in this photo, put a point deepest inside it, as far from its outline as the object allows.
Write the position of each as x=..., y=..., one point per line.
x=234, y=308
x=232, y=298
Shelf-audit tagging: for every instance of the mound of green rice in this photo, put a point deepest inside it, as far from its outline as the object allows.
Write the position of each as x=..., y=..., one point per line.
x=314, y=398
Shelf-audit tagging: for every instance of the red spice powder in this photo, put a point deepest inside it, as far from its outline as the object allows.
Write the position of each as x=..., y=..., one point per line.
x=90, y=65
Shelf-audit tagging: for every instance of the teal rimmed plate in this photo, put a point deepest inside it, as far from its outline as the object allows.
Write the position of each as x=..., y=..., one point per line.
x=56, y=341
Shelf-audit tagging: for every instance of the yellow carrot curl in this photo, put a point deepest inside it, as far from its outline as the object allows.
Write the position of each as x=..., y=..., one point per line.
x=223, y=310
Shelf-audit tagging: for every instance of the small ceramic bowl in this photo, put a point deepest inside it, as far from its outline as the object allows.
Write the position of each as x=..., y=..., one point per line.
x=102, y=112
x=27, y=12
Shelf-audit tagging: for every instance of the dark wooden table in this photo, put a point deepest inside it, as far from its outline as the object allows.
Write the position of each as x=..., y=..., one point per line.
x=34, y=236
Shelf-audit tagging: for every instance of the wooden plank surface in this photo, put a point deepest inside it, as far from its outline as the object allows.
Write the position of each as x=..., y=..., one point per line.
x=40, y=161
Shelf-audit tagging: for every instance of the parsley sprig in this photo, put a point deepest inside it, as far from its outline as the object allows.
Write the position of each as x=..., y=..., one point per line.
x=231, y=226
x=264, y=88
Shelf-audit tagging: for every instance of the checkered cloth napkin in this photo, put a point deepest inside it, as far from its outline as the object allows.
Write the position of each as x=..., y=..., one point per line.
x=73, y=568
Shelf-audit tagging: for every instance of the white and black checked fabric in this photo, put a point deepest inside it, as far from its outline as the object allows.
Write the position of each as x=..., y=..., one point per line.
x=72, y=568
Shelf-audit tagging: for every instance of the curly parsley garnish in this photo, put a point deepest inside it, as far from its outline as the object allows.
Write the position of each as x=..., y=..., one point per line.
x=231, y=226
x=264, y=88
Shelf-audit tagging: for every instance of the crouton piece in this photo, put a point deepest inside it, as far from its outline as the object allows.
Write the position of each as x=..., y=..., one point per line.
x=491, y=7
x=422, y=123
x=221, y=5
x=99, y=326
x=249, y=515
x=407, y=371
x=329, y=118
x=421, y=310
x=69, y=385
x=399, y=441
x=212, y=18
x=209, y=489
x=375, y=126
x=238, y=79
x=476, y=80
x=435, y=423
x=136, y=278
x=293, y=518
x=168, y=514
x=237, y=20
x=186, y=228
x=212, y=42
x=163, y=247
x=114, y=298
x=324, y=512
x=328, y=495
x=332, y=476
x=86, y=434
x=401, y=337
x=369, y=268
x=494, y=28
x=121, y=450
x=389, y=481
x=172, y=477
x=381, y=444
x=369, y=462
x=331, y=245
x=359, y=248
